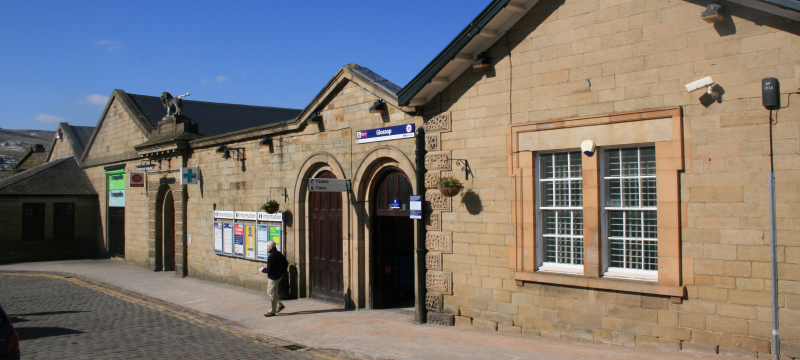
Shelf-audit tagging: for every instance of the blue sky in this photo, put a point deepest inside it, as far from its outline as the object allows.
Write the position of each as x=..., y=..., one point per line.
x=60, y=60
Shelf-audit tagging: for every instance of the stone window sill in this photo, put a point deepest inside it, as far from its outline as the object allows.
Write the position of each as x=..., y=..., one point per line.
x=632, y=286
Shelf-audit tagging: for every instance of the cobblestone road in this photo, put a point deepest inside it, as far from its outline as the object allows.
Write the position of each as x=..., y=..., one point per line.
x=60, y=317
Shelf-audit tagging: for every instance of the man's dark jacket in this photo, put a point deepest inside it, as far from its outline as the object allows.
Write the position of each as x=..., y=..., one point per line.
x=277, y=266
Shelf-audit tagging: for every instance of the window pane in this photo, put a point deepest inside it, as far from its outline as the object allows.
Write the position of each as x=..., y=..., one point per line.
x=549, y=222
x=650, y=225
x=575, y=163
x=561, y=165
x=612, y=162
x=633, y=224
x=613, y=193
x=562, y=193
x=577, y=222
x=651, y=255
x=550, y=249
x=649, y=193
x=564, y=222
x=546, y=166
x=564, y=250
x=576, y=187
x=633, y=253
x=648, y=160
x=546, y=194
x=630, y=162
x=630, y=192
x=578, y=250
x=616, y=253
x=616, y=224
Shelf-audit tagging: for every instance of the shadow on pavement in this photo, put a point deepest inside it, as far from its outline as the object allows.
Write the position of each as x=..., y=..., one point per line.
x=314, y=312
x=32, y=333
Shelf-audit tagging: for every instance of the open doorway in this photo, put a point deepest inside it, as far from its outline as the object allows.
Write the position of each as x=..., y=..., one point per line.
x=168, y=226
x=392, y=245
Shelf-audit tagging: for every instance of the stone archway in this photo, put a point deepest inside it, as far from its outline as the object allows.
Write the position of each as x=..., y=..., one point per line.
x=313, y=166
x=156, y=195
x=370, y=167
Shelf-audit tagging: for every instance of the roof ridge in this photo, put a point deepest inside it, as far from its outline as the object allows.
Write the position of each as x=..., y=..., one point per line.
x=26, y=174
x=222, y=103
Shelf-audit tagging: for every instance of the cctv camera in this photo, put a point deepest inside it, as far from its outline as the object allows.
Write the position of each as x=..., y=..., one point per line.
x=705, y=82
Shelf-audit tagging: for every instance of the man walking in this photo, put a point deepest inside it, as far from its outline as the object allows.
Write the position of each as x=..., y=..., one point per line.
x=277, y=267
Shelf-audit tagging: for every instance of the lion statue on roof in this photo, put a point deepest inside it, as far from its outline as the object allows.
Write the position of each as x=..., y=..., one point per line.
x=174, y=106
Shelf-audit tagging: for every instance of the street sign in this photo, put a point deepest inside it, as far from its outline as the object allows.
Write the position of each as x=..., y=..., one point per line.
x=415, y=207
x=137, y=179
x=190, y=175
x=329, y=185
x=384, y=134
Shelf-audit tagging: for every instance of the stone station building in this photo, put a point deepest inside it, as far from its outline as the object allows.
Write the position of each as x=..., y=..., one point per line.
x=659, y=238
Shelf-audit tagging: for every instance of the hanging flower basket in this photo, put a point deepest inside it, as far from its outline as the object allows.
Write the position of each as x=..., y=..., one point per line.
x=450, y=186
x=271, y=206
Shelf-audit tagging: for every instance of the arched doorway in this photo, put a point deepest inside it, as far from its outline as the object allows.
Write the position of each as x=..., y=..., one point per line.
x=168, y=226
x=392, y=234
x=325, y=238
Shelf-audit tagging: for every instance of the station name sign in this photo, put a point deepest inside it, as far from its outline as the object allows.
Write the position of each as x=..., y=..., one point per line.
x=384, y=134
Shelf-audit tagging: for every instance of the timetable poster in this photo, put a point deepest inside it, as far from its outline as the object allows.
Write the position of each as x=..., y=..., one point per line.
x=227, y=239
x=238, y=240
x=218, y=237
x=263, y=237
x=250, y=241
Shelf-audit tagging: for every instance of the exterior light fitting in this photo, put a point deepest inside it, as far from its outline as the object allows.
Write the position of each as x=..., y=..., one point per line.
x=713, y=13
x=59, y=134
x=483, y=61
x=221, y=149
x=226, y=154
x=316, y=118
x=377, y=107
x=266, y=141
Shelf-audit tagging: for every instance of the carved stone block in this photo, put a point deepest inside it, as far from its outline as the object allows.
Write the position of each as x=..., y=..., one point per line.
x=440, y=160
x=432, y=180
x=433, y=261
x=441, y=319
x=432, y=143
x=432, y=107
x=439, y=281
x=434, y=301
x=439, y=241
x=437, y=200
x=439, y=122
x=433, y=221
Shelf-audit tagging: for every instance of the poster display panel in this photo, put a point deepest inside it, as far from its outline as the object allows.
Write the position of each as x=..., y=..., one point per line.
x=238, y=240
x=227, y=239
x=263, y=237
x=250, y=241
x=275, y=235
x=218, y=237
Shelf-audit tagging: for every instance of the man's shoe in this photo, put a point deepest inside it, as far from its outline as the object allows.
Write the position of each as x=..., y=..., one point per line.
x=269, y=314
x=280, y=308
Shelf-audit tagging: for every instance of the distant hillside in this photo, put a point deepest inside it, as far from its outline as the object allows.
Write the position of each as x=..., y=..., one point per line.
x=15, y=142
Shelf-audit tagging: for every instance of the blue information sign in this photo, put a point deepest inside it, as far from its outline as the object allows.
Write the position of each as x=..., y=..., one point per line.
x=394, y=204
x=415, y=207
x=384, y=134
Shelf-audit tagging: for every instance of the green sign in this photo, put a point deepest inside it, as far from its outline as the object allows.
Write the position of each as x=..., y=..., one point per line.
x=275, y=234
x=116, y=180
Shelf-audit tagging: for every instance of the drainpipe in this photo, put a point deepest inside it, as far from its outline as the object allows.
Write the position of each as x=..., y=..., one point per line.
x=421, y=309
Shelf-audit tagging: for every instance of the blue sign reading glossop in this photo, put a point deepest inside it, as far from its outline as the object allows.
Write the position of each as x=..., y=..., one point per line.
x=384, y=134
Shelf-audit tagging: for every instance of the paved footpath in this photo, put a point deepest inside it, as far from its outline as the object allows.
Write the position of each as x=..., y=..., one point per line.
x=60, y=317
x=366, y=334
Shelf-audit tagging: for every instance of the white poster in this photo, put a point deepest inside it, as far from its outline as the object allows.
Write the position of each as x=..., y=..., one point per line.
x=262, y=233
x=218, y=237
x=227, y=239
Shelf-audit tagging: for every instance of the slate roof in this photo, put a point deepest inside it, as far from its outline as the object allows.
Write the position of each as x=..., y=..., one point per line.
x=31, y=159
x=58, y=177
x=80, y=137
x=377, y=80
x=215, y=118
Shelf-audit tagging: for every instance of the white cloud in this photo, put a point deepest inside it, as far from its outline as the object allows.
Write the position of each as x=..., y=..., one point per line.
x=96, y=99
x=50, y=119
x=221, y=78
x=204, y=81
x=111, y=45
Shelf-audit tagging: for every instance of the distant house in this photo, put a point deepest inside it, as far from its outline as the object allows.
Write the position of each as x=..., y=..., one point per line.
x=49, y=212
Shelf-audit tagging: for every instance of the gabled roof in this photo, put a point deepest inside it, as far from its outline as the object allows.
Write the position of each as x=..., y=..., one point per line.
x=76, y=136
x=58, y=177
x=31, y=159
x=214, y=118
x=489, y=26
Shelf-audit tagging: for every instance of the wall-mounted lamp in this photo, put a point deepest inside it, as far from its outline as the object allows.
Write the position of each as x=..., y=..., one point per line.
x=713, y=13
x=377, y=107
x=316, y=118
x=483, y=61
x=266, y=141
x=221, y=149
x=59, y=134
x=226, y=154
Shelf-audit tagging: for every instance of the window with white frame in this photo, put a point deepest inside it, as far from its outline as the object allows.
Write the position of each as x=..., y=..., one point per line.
x=560, y=211
x=629, y=181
